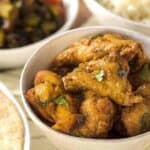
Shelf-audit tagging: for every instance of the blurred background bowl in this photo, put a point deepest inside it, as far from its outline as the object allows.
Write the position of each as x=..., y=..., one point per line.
x=105, y=17
x=23, y=117
x=15, y=57
x=42, y=58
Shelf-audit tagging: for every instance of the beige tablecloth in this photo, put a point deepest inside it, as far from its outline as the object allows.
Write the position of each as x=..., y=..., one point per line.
x=11, y=79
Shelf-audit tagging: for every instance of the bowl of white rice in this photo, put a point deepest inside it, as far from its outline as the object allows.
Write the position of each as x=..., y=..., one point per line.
x=131, y=14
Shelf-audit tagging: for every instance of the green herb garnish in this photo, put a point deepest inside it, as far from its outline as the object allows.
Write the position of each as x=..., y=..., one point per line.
x=61, y=100
x=99, y=75
x=145, y=122
x=144, y=74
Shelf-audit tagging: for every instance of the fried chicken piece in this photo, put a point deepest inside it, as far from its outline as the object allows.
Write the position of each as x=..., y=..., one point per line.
x=45, y=110
x=47, y=86
x=99, y=116
x=61, y=112
x=144, y=90
x=107, y=78
x=141, y=76
x=99, y=46
x=67, y=115
x=66, y=121
x=49, y=101
x=48, y=83
x=136, y=119
x=46, y=75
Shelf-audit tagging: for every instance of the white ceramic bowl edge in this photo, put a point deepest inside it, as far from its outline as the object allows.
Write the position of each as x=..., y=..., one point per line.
x=42, y=58
x=22, y=115
x=106, y=17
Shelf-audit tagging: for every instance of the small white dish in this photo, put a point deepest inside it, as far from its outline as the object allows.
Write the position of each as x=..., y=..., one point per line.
x=7, y=93
x=105, y=17
x=15, y=57
x=42, y=58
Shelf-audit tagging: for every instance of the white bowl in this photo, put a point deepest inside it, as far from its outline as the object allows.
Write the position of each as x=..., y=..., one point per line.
x=22, y=115
x=15, y=57
x=106, y=17
x=42, y=58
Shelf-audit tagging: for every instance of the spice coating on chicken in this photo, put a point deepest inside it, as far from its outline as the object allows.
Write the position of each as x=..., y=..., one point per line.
x=99, y=115
x=96, y=88
x=136, y=119
x=99, y=46
x=112, y=83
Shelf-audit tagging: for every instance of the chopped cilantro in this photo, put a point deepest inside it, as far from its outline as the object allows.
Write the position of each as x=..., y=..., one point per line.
x=99, y=75
x=61, y=100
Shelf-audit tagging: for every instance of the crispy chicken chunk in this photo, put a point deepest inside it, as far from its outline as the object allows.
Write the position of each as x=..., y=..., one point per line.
x=47, y=86
x=141, y=76
x=46, y=75
x=106, y=78
x=45, y=110
x=62, y=112
x=67, y=114
x=144, y=90
x=136, y=119
x=97, y=88
x=99, y=46
x=99, y=116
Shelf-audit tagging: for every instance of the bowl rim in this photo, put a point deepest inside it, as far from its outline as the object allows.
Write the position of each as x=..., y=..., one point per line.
x=67, y=25
x=136, y=23
x=21, y=113
x=43, y=126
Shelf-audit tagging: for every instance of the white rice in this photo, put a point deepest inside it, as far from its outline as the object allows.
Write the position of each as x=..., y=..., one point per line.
x=11, y=126
x=137, y=10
